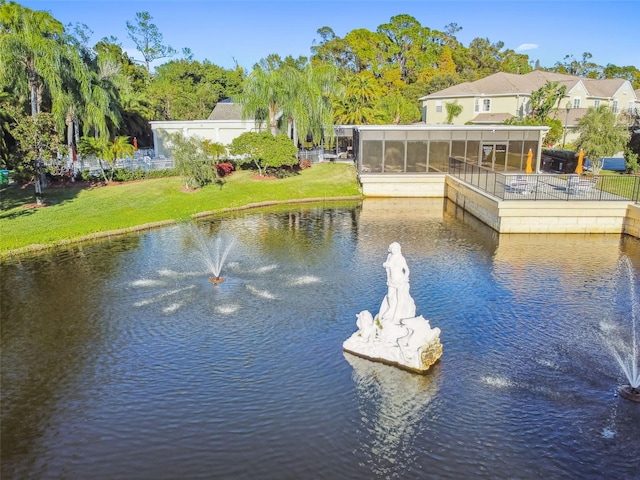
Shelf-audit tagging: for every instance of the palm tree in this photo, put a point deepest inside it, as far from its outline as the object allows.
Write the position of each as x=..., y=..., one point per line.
x=356, y=107
x=34, y=52
x=299, y=95
x=268, y=91
x=311, y=110
x=104, y=149
x=37, y=55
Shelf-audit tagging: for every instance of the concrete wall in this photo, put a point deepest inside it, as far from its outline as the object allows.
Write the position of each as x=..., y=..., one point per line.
x=511, y=216
x=403, y=185
x=219, y=131
x=632, y=221
x=528, y=216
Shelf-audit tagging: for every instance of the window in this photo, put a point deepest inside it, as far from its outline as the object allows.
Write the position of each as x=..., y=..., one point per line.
x=596, y=103
x=439, y=106
x=614, y=106
x=576, y=102
x=482, y=105
x=630, y=107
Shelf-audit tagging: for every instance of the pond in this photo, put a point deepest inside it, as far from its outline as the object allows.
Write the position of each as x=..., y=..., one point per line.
x=121, y=360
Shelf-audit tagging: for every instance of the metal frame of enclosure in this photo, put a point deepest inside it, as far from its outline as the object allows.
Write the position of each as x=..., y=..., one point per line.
x=398, y=149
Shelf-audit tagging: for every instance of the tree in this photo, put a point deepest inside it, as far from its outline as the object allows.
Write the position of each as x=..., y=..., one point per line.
x=202, y=85
x=409, y=45
x=630, y=73
x=396, y=109
x=453, y=110
x=545, y=99
x=311, y=111
x=36, y=55
x=579, y=68
x=193, y=160
x=284, y=91
x=104, y=149
x=5, y=131
x=266, y=92
x=355, y=107
x=148, y=39
x=38, y=141
x=264, y=150
x=601, y=135
x=132, y=91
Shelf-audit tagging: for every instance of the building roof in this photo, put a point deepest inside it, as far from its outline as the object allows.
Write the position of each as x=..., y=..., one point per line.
x=491, y=118
x=511, y=84
x=226, y=110
x=605, y=88
x=568, y=118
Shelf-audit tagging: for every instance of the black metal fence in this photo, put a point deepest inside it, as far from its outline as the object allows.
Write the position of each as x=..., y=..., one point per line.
x=547, y=186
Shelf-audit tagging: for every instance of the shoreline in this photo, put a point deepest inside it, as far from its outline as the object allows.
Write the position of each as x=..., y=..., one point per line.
x=38, y=247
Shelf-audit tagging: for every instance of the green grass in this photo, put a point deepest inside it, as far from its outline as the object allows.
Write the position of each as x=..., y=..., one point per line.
x=76, y=213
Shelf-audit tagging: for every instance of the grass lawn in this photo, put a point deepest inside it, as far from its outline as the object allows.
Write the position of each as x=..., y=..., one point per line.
x=76, y=213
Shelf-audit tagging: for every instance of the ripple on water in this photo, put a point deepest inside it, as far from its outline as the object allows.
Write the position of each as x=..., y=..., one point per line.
x=305, y=280
x=147, y=282
x=262, y=293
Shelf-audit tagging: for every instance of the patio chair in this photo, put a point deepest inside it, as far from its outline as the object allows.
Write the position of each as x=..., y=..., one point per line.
x=577, y=185
x=522, y=184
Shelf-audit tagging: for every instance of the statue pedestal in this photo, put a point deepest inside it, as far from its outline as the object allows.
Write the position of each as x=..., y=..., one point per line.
x=410, y=344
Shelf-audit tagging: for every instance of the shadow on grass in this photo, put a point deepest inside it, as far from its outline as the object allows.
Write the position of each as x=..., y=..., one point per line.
x=14, y=196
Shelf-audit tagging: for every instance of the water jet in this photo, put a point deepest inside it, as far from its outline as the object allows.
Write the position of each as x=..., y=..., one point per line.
x=213, y=257
x=625, y=351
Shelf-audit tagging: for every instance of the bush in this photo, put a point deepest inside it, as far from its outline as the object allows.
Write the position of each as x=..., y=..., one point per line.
x=264, y=150
x=305, y=163
x=192, y=159
x=224, y=169
x=631, y=161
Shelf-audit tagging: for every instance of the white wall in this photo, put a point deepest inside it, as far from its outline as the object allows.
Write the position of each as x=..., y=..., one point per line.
x=220, y=131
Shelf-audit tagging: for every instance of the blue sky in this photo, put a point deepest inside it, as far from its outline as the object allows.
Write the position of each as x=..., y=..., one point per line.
x=243, y=31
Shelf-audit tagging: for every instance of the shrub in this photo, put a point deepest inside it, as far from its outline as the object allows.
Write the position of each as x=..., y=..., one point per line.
x=305, y=163
x=264, y=150
x=631, y=161
x=224, y=168
x=192, y=159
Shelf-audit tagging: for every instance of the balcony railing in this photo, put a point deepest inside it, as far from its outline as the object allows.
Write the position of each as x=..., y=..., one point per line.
x=507, y=186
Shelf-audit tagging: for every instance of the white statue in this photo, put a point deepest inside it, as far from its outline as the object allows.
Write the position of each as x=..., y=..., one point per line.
x=396, y=335
x=397, y=304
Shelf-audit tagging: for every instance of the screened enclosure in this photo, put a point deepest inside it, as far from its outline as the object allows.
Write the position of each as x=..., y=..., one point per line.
x=428, y=148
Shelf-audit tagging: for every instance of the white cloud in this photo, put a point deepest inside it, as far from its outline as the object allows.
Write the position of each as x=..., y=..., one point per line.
x=527, y=46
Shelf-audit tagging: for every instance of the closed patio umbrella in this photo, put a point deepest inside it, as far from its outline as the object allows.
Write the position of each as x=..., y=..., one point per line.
x=580, y=160
x=529, y=167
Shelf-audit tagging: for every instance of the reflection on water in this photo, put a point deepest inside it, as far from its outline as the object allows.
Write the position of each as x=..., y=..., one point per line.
x=120, y=360
x=392, y=407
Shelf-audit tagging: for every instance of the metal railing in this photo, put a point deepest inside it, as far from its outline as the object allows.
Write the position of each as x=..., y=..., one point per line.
x=141, y=160
x=519, y=186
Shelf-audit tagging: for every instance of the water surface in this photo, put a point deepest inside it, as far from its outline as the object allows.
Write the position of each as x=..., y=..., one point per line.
x=121, y=360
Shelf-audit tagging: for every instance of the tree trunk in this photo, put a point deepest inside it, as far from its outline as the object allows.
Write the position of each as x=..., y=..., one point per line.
x=38, y=183
x=34, y=97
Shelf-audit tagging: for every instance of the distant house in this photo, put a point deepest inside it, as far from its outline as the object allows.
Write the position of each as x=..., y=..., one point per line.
x=223, y=125
x=494, y=99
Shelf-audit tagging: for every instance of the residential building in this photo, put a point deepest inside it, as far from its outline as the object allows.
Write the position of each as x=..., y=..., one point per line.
x=498, y=97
